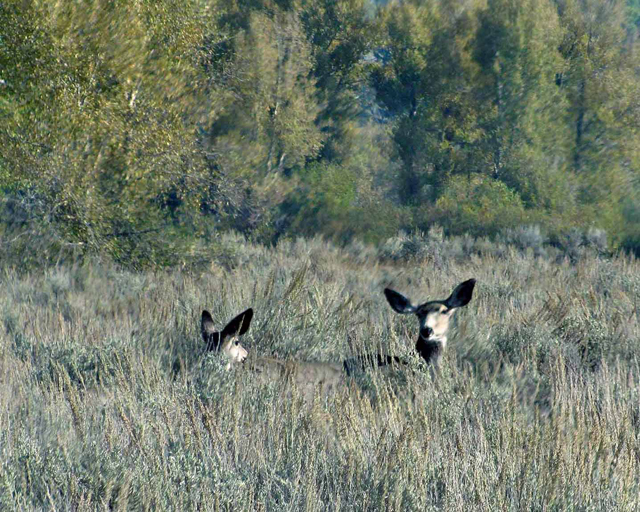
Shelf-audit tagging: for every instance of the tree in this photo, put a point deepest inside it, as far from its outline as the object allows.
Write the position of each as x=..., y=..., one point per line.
x=265, y=122
x=424, y=80
x=340, y=34
x=520, y=108
x=600, y=83
x=268, y=109
x=101, y=102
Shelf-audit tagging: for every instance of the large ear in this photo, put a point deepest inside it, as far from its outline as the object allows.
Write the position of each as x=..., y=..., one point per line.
x=398, y=302
x=206, y=325
x=208, y=330
x=461, y=295
x=239, y=325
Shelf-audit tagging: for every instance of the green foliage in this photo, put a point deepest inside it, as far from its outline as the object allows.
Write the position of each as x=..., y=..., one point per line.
x=340, y=33
x=106, y=143
x=347, y=200
x=424, y=83
x=600, y=82
x=633, y=13
x=518, y=101
x=479, y=203
x=141, y=132
x=326, y=203
x=328, y=194
x=269, y=107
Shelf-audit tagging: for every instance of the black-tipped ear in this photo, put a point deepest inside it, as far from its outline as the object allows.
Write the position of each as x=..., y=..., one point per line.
x=209, y=334
x=398, y=302
x=206, y=325
x=461, y=295
x=239, y=325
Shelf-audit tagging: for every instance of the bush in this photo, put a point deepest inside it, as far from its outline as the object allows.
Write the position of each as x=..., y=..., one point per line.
x=526, y=237
x=326, y=202
x=477, y=204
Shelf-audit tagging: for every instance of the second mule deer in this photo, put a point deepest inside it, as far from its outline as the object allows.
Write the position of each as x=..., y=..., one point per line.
x=434, y=319
x=309, y=377
x=226, y=340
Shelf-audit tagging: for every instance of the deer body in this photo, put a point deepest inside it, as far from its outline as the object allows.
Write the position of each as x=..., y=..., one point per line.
x=308, y=377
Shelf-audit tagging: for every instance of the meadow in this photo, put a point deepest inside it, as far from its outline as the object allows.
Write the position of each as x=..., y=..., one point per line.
x=109, y=402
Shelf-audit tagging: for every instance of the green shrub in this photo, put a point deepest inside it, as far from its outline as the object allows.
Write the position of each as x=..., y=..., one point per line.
x=476, y=204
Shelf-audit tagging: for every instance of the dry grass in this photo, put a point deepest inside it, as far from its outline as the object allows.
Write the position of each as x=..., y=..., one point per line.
x=537, y=406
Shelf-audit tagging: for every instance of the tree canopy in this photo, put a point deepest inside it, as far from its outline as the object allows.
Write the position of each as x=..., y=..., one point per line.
x=143, y=130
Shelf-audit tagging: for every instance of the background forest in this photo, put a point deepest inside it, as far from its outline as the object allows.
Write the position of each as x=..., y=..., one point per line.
x=144, y=130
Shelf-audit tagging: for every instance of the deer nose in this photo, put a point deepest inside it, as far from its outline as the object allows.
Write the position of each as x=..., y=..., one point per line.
x=426, y=332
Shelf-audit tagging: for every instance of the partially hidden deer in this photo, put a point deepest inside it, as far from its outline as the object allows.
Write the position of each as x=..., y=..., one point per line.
x=433, y=317
x=309, y=377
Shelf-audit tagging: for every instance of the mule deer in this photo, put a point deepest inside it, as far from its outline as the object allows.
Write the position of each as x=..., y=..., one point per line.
x=226, y=340
x=434, y=318
x=308, y=376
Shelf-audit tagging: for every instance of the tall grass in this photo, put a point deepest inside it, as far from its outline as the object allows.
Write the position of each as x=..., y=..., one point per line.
x=108, y=401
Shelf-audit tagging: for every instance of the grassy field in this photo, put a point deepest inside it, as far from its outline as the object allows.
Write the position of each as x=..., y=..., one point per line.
x=109, y=403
